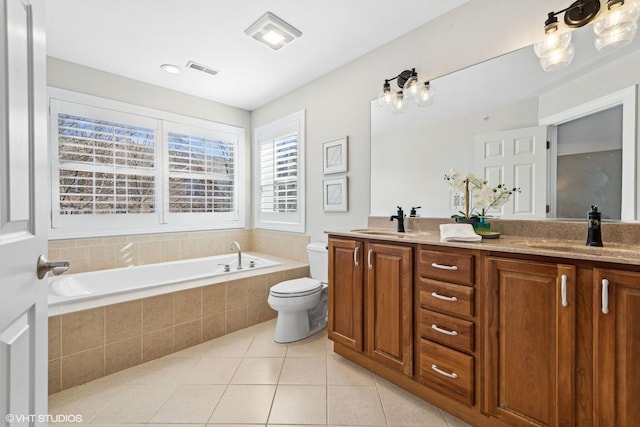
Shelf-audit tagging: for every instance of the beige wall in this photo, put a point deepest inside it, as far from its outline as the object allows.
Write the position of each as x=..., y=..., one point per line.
x=128, y=251
x=67, y=75
x=337, y=104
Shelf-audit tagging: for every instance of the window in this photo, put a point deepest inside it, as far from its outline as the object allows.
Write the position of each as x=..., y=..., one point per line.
x=122, y=169
x=279, y=174
x=105, y=167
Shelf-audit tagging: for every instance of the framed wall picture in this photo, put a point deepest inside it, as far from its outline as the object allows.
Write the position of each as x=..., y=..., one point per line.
x=334, y=156
x=335, y=194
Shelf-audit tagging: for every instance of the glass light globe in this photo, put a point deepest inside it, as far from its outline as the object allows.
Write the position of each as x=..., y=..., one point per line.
x=622, y=35
x=618, y=26
x=412, y=87
x=425, y=96
x=617, y=15
x=558, y=59
x=399, y=104
x=385, y=97
x=551, y=43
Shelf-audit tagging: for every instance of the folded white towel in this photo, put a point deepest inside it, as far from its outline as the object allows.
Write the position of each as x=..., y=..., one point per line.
x=459, y=233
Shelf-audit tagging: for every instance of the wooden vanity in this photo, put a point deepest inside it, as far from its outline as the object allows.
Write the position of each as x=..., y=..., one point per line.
x=507, y=332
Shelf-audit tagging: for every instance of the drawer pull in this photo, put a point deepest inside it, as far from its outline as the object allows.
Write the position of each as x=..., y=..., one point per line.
x=446, y=374
x=444, y=331
x=563, y=291
x=444, y=298
x=444, y=267
x=355, y=256
x=605, y=296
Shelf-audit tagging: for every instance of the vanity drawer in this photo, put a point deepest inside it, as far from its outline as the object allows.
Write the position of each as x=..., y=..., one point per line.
x=449, y=266
x=447, y=330
x=446, y=297
x=447, y=371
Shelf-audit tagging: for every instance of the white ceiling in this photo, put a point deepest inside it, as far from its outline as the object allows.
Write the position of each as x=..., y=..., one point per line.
x=132, y=38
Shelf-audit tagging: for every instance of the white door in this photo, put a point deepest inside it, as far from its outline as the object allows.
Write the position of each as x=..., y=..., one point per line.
x=23, y=213
x=516, y=158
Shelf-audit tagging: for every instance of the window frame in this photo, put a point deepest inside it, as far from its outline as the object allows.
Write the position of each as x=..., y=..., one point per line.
x=161, y=221
x=277, y=129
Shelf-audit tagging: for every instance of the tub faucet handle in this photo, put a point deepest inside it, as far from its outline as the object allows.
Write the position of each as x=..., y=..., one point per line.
x=56, y=267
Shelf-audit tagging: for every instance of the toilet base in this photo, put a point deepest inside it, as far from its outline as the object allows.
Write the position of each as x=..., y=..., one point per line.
x=294, y=326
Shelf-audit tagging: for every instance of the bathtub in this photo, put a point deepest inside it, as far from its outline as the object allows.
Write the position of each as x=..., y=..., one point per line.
x=73, y=292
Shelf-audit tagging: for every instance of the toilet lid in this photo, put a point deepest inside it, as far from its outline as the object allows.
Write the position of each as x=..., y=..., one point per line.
x=296, y=287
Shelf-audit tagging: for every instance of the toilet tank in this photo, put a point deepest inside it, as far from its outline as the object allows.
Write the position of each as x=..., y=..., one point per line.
x=318, y=261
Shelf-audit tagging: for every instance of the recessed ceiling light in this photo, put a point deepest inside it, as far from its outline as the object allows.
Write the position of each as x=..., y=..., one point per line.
x=170, y=68
x=272, y=31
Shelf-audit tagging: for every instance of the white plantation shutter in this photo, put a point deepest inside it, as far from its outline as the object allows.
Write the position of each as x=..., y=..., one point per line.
x=201, y=174
x=279, y=174
x=122, y=169
x=105, y=167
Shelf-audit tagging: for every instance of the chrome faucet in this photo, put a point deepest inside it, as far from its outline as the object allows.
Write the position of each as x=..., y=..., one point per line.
x=236, y=245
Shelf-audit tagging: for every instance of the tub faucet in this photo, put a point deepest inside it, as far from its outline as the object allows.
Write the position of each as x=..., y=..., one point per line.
x=400, y=217
x=236, y=245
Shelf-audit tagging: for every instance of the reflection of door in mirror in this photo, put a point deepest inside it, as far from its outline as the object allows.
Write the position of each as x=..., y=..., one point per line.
x=589, y=165
x=515, y=158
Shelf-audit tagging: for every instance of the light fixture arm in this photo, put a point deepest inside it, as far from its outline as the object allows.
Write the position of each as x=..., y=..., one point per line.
x=402, y=77
x=578, y=14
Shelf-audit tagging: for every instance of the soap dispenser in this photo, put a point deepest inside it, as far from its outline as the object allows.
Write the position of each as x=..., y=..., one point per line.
x=594, y=236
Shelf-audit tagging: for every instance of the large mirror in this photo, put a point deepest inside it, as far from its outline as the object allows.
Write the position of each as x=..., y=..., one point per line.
x=587, y=111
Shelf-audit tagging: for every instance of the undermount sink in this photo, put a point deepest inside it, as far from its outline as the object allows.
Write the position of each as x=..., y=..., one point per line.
x=612, y=250
x=392, y=233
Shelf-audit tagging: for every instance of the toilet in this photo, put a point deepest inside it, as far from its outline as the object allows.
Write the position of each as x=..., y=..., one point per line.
x=302, y=303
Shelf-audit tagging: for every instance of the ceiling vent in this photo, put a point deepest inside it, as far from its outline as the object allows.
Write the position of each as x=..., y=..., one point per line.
x=203, y=68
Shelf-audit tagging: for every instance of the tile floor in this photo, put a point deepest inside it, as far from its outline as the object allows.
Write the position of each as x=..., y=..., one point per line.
x=245, y=379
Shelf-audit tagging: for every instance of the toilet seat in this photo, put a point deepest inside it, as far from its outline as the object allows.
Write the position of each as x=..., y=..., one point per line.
x=296, y=288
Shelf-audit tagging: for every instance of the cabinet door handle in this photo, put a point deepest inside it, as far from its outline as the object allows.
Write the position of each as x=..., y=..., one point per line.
x=444, y=298
x=446, y=374
x=444, y=267
x=444, y=331
x=369, y=259
x=563, y=290
x=355, y=256
x=605, y=296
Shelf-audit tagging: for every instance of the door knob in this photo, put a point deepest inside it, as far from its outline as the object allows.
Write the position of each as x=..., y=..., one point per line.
x=45, y=266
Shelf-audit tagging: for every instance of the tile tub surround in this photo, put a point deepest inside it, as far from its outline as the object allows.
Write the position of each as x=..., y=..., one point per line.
x=612, y=232
x=90, y=344
x=128, y=251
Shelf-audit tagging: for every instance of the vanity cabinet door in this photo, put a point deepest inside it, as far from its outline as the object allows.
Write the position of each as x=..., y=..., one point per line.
x=529, y=348
x=346, y=292
x=617, y=348
x=389, y=302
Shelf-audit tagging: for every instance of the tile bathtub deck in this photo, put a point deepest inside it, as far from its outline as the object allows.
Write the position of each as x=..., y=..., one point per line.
x=246, y=379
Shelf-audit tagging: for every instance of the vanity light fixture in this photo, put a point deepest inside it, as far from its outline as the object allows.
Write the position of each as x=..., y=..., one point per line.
x=615, y=27
x=410, y=88
x=272, y=31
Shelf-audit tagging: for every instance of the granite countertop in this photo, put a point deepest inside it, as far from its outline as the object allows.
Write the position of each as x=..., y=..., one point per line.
x=614, y=252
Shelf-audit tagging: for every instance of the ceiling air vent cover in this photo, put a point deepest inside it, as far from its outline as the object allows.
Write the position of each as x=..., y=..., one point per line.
x=203, y=68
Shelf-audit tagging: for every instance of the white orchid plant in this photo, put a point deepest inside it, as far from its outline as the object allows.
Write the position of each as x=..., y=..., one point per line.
x=478, y=190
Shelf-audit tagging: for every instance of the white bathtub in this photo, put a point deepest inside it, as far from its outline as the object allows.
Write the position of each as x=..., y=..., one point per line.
x=80, y=291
